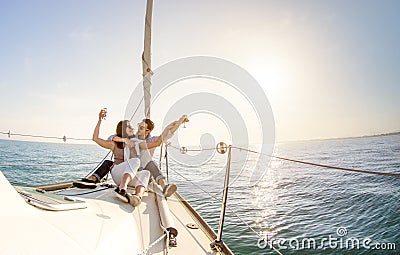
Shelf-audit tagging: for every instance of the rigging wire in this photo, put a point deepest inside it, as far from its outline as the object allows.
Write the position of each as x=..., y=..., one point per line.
x=51, y=164
x=321, y=165
x=219, y=200
x=300, y=161
x=64, y=138
x=94, y=169
x=137, y=108
x=230, y=209
x=184, y=150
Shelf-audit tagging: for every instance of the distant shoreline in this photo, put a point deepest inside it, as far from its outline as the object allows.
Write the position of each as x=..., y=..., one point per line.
x=342, y=138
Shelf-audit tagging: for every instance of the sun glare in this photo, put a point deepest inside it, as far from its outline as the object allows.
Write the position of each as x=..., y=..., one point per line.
x=271, y=78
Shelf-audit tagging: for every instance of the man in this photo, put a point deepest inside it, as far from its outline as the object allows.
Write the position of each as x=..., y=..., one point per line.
x=148, y=144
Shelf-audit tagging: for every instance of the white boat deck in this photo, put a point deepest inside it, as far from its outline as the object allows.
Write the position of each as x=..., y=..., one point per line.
x=106, y=226
x=197, y=241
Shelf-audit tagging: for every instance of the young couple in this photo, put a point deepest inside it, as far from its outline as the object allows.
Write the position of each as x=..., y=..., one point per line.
x=133, y=162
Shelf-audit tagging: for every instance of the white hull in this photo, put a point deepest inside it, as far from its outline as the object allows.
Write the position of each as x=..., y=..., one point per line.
x=107, y=225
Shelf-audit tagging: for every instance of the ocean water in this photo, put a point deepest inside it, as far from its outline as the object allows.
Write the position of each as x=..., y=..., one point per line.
x=300, y=209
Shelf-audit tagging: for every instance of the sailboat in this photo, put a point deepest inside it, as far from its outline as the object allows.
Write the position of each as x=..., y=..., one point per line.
x=62, y=219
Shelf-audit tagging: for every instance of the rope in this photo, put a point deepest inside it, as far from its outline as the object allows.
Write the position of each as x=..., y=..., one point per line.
x=320, y=165
x=166, y=232
x=277, y=157
x=83, y=193
x=50, y=164
x=340, y=168
x=205, y=149
x=230, y=209
x=64, y=138
x=306, y=163
x=94, y=169
x=137, y=108
x=145, y=251
x=166, y=160
x=161, y=152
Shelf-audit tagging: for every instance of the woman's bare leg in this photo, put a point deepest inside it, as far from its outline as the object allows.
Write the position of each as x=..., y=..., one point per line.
x=126, y=178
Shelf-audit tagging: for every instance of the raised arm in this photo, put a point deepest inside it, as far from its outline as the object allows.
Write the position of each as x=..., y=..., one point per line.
x=176, y=124
x=168, y=132
x=103, y=143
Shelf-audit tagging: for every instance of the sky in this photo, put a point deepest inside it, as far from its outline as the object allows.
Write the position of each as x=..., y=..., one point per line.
x=328, y=68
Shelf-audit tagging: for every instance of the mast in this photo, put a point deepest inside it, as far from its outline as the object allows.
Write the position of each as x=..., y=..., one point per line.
x=146, y=59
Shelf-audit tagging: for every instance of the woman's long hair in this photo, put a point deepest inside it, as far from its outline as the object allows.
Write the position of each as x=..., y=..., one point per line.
x=121, y=132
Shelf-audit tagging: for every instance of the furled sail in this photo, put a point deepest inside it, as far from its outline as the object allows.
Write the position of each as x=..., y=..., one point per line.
x=146, y=59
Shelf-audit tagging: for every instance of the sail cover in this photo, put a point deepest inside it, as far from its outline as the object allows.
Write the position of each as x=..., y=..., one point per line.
x=146, y=59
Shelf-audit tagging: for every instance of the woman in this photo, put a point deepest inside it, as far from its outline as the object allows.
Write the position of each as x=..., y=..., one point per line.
x=147, y=144
x=126, y=162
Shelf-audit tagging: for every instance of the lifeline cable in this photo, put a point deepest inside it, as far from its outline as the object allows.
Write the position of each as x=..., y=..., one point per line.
x=230, y=209
x=64, y=138
x=302, y=162
x=50, y=164
x=321, y=165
